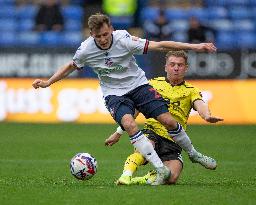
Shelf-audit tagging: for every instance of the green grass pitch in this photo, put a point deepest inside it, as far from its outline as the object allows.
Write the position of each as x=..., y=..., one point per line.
x=34, y=167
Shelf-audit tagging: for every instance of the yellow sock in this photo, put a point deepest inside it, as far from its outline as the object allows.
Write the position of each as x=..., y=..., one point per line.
x=132, y=162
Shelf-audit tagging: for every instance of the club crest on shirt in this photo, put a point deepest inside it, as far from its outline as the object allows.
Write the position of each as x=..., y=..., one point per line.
x=108, y=62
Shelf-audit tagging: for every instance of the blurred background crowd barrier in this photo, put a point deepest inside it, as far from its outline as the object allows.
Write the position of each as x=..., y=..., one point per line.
x=36, y=37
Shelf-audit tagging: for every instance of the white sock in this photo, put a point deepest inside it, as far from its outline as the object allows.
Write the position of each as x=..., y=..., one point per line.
x=144, y=146
x=182, y=139
x=127, y=173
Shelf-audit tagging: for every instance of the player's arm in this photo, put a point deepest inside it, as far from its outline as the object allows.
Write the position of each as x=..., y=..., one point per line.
x=61, y=73
x=204, y=112
x=172, y=45
x=115, y=137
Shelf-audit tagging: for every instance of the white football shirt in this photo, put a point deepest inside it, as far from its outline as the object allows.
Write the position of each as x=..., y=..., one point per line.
x=116, y=67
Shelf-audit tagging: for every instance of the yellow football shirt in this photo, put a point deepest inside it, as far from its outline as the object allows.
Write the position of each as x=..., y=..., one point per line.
x=180, y=97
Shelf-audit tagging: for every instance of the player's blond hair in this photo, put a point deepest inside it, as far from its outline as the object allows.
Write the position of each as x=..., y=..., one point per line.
x=96, y=21
x=178, y=53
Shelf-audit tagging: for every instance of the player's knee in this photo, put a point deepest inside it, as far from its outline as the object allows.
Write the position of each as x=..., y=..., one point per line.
x=173, y=179
x=168, y=122
x=129, y=123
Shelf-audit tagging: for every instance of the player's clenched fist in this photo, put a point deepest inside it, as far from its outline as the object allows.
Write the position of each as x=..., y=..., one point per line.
x=38, y=83
x=205, y=47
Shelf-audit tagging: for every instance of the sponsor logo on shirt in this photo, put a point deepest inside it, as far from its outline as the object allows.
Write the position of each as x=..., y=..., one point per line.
x=105, y=71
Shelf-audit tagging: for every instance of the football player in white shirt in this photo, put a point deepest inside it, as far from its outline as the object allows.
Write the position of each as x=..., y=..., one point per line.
x=124, y=85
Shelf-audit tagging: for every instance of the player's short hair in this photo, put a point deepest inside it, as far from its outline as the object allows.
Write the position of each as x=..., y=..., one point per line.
x=178, y=53
x=96, y=21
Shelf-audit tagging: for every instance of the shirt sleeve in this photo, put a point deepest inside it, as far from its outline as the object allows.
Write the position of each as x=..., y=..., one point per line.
x=195, y=95
x=135, y=44
x=79, y=58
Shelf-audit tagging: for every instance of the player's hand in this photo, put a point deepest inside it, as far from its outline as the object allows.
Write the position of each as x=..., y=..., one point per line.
x=38, y=83
x=213, y=119
x=205, y=47
x=113, y=139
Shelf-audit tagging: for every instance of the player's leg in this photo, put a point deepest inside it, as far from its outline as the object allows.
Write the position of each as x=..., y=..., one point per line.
x=131, y=164
x=139, y=140
x=170, y=154
x=178, y=134
x=143, y=145
x=176, y=167
x=152, y=105
x=182, y=139
x=122, y=110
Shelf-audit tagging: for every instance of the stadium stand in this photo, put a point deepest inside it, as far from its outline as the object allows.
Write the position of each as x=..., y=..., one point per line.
x=7, y=11
x=233, y=20
x=149, y=13
x=73, y=12
x=25, y=12
x=7, y=39
x=28, y=38
x=25, y=25
x=8, y=25
x=7, y=2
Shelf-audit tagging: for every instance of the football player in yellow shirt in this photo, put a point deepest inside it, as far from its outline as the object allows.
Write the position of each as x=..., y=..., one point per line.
x=182, y=97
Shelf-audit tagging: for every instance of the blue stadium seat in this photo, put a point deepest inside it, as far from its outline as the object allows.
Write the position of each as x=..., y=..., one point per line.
x=7, y=3
x=180, y=37
x=222, y=25
x=240, y=13
x=25, y=25
x=8, y=25
x=122, y=22
x=7, y=12
x=226, y=40
x=199, y=13
x=227, y=3
x=237, y=2
x=253, y=12
x=252, y=3
x=73, y=39
x=73, y=25
x=8, y=39
x=177, y=13
x=27, y=12
x=73, y=12
x=244, y=25
x=149, y=13
x=211, y=3
x=246, y=39
x=180, y=25
x=216, y=12
x=50, y=38
x=28, y=38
